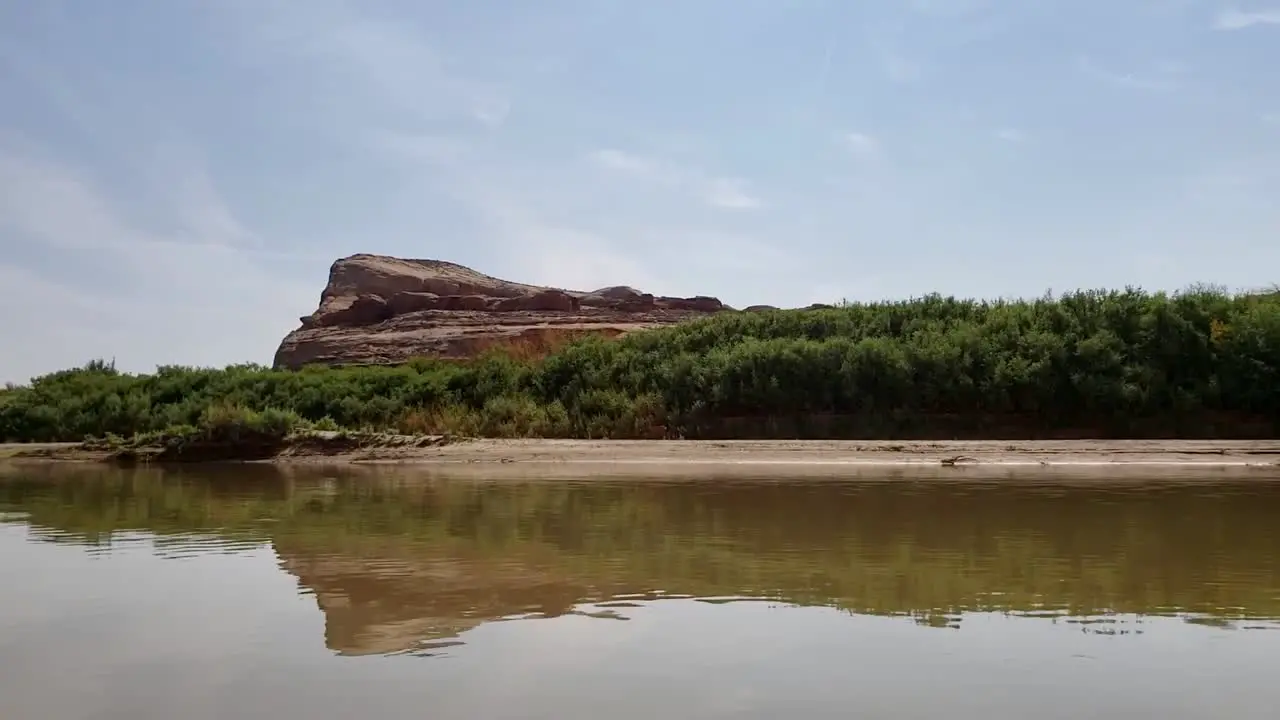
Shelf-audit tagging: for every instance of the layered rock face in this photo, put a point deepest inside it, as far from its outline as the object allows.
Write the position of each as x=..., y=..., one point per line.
x=384, y=310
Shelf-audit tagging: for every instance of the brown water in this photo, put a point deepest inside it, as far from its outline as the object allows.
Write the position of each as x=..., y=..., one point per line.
x=263, y=593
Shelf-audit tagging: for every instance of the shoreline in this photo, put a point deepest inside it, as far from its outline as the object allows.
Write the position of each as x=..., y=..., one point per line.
x=765, y=455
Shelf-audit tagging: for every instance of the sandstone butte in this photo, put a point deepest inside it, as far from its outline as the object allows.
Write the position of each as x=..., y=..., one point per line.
x=384, y=310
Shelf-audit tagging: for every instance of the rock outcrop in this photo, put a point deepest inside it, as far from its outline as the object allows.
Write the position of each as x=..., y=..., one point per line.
x=384, y=310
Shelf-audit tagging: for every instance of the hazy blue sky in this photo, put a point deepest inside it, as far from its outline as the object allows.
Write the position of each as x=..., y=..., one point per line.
x=176, y=176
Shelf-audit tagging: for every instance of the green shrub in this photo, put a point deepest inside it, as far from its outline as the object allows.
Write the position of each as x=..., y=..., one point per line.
x=1192, y=362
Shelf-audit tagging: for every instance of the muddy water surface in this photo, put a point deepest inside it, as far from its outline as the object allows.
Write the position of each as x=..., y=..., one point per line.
x=316, y=594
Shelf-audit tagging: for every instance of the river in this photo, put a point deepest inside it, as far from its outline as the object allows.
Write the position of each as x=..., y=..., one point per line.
x=313, y=593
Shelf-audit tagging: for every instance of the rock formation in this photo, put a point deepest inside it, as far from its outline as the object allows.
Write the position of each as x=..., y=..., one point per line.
x=384, y=310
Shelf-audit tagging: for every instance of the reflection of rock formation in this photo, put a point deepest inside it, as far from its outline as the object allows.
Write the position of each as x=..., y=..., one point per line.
x=930, y=553
x=376, y=605
x=396, y=561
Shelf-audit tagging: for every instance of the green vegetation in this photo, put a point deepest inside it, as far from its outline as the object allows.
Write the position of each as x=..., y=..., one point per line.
x=1123, y=363
x=222, y=431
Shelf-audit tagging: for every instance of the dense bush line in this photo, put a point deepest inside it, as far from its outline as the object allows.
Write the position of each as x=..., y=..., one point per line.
x=1200, y=362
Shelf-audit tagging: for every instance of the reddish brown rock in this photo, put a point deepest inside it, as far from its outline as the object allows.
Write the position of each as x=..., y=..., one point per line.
x=701, y=303
x=549, y=300
x=384, y=310
x=364, y=309
x=465, y=302
x=408, y=302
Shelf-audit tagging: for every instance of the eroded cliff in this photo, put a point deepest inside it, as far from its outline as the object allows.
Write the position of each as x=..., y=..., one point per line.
x=384, y=310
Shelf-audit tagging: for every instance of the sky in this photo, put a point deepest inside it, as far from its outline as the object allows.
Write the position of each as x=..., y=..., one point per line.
x=177, y=176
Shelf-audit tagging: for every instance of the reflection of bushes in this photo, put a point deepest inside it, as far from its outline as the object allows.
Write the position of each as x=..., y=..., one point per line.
x=876, y=547
x=1117, y=363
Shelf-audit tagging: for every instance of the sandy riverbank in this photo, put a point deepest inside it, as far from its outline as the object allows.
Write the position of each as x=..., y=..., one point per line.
x=773, y=454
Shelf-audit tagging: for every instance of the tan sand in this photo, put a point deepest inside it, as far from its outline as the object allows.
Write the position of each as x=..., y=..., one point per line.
x=773, y=456
x=792, y=457
x=1052, y=461
x=820, y=452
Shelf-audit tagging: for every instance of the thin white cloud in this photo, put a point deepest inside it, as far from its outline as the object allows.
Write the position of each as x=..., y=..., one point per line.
x=418, y=147
x=1011, y=135
x=1235, y=19
x=906, y=46
x=744, y=254
x=1161, y=77
x=629, y=163
x=391, y=58
x=899, y=68
x=542, y=250
x=59, y=205
x=52, y=206
x=490, y=111
x=572, y=232
x=859, y=143
x=899, y=59
x=548, y=231
x=70, y=328
x=729, y=193
x=1229, y=190
x=949, y=8
x=143, y=296
x=201, y=213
